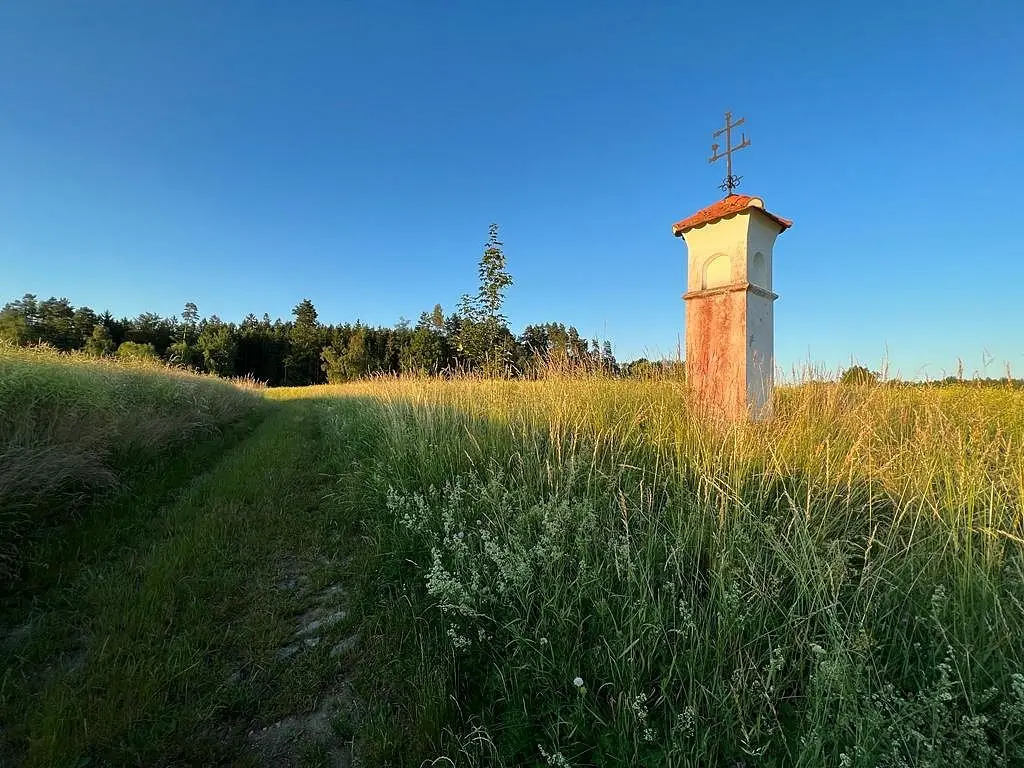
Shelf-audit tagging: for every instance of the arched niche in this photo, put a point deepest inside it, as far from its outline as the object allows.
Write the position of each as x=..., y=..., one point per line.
x=759, y=270
x=717, y=271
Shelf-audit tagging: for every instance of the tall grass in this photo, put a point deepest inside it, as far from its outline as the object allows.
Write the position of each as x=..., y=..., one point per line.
x=581, y=572
x=70, y=426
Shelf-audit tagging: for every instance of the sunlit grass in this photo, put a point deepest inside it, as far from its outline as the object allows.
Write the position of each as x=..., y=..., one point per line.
x=571, y=571
x=842, y=585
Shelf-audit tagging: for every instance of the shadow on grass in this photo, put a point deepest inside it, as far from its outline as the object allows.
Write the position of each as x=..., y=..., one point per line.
x=42, y=629
x=713, y=611
x=62, y=544
x=716, y=610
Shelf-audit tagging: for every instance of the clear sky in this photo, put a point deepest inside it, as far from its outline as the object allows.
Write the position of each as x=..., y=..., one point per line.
x=244, y=155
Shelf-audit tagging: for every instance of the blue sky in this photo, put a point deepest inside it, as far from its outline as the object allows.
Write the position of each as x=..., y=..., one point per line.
x=247, y=155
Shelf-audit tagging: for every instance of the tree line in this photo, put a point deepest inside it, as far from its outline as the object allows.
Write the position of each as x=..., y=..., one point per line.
x=302, y=350
x=859, y=375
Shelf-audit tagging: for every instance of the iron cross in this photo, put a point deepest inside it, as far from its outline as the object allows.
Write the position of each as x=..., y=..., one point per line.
x=731, y=182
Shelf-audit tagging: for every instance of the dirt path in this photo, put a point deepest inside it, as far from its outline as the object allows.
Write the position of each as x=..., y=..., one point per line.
x=213, y=628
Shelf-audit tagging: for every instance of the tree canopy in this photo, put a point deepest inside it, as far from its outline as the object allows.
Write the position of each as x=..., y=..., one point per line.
x=304, y=350
x=858, y=375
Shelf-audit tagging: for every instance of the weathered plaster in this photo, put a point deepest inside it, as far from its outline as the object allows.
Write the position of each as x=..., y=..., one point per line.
x=730, y=344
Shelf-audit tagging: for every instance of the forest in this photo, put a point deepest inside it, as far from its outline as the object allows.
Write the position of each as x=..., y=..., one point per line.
x=302, y=350
x=474, y=338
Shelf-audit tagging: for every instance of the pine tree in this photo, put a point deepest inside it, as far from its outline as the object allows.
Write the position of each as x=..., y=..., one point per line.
x=437, y=318
x=189, y=320
x=303, y=364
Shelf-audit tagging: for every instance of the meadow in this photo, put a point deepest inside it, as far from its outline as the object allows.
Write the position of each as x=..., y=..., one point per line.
x=582, y=572
x=569, y=571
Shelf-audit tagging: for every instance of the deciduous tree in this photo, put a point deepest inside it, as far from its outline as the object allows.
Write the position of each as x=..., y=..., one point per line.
x=483, y=336
x=858, y=375
x=133, y=350
x=100, y=344
x=218, y=344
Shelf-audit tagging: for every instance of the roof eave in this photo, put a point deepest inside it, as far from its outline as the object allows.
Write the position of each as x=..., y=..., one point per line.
x=679, y=231
x=784, y=224
x=680, y=228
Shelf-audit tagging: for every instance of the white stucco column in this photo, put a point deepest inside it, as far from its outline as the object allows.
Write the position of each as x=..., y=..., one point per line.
x=730, y=329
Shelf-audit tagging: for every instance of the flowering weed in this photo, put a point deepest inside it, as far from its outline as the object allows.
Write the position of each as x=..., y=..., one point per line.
x=839, y=586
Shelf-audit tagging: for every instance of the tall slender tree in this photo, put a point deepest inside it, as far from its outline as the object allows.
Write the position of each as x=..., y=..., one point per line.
x=494, y=278
x=189, y=320
x=483, y=335
x=303, y=364
x=437, y=318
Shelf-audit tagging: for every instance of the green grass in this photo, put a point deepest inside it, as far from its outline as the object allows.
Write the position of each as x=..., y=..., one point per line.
x=146, y=624
x=73, y=428
x=841, y=586
x=164, y=650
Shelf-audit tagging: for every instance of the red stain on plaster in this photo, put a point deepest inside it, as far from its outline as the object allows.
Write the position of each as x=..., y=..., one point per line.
x=716, y=351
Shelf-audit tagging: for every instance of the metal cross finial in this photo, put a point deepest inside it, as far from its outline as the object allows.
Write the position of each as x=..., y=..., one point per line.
x=731, y=182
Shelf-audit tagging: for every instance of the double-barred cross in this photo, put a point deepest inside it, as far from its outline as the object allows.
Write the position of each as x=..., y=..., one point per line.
x=731, y=182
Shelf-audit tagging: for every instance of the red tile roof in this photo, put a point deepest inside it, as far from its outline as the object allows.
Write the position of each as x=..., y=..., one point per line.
x=732, y=204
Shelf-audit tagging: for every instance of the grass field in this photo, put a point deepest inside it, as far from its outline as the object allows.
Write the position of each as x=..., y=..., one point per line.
x=562, y=572
x=163, y=568
x=580, y=572
x=72, y=428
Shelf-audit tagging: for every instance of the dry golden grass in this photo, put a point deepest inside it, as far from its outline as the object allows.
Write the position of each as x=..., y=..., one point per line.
x=841, y=585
